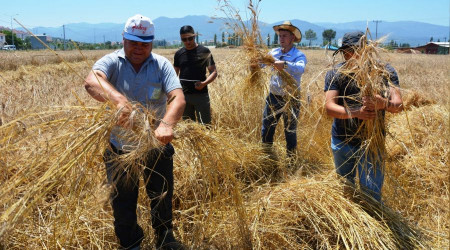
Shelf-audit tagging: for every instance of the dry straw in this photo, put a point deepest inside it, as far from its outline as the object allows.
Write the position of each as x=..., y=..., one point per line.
x=314, y=214
x=228, y=195
x=257, y=54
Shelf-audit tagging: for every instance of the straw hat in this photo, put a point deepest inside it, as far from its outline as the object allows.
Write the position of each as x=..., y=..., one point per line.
x=287, y=25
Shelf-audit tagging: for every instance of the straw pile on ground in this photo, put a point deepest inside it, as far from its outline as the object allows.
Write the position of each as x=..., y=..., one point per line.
x=418, y=168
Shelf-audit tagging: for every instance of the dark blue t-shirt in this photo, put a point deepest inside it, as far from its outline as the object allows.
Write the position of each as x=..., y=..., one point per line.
x=346, y=129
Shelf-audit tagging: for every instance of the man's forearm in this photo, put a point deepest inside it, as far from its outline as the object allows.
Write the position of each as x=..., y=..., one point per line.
x=175, y=109
x=210, y=78
x=101, y=90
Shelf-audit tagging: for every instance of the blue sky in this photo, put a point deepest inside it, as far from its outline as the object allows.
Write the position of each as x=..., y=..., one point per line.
x=33, y=13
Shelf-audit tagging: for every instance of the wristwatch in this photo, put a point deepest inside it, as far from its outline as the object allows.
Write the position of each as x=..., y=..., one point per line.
x=285, y=65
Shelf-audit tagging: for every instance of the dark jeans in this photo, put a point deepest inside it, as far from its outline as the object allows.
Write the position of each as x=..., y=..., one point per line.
x=272, y=113
x=158, y=177
x=197, y=108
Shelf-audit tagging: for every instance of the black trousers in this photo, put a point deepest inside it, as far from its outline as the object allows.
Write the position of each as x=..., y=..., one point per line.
x=158, y=177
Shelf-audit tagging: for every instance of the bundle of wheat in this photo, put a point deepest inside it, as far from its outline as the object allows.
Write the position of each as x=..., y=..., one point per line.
x=314, y=214
x=83, y=133
x=418, y=168
x=257, y=54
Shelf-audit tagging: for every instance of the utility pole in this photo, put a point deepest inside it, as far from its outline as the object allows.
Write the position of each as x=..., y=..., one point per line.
x=12, y=33
x=376, y=29
x=12, y=30
x=64, y=32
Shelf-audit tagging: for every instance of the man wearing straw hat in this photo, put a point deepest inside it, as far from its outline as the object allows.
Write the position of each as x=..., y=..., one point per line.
x=349, y=110
x=293, y=61
x=191, y=63
x=136, y=75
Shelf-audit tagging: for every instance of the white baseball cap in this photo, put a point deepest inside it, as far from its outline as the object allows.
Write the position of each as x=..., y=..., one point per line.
x=139, y=28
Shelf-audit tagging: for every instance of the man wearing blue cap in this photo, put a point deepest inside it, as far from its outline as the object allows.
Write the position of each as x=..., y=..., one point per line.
x=136, y=75
x=349, y=111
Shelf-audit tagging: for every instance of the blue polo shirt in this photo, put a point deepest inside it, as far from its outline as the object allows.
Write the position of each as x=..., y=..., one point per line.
x=149, y=86
x=296, y=63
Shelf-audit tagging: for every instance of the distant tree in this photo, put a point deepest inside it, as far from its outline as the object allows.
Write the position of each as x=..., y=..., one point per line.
x=439, y=40
x=27, y=43
x=196, y=37
x=215, y=39
x=405, y=45
x=223, y=37
x=431, y=39
x=268, y=40
x=275, y=38
x=393, y=44
x=17, y=41
x=310, y=35
x=328, y=35
x=108, y=45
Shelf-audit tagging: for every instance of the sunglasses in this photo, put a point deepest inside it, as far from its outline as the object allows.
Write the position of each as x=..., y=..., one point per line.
x=185, y=39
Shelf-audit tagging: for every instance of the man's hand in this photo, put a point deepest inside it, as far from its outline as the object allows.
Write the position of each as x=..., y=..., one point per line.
x=199, y=85
x=376, y=102
x=125, y=110
x=164, y=133
x=278, y=65
x=364, y=113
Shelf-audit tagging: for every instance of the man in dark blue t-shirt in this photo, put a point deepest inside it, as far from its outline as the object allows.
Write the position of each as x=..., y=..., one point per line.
x=349, y=110
x=190, y=63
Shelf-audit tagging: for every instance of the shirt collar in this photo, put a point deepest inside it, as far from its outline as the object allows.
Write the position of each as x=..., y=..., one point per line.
x=290, y=52
x=121, y=54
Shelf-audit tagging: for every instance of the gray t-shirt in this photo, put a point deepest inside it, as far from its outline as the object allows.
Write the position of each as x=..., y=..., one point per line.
x=149, y=86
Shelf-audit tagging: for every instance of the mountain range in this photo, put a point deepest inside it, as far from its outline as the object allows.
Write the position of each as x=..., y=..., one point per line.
x=414, y=33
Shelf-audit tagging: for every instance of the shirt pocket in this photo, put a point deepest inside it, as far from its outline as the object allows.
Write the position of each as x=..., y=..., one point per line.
x=155, y=91
x=150, y=91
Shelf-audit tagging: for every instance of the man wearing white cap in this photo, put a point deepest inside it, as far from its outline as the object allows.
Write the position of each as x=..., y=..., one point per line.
x=289, y=58
x=136, y=75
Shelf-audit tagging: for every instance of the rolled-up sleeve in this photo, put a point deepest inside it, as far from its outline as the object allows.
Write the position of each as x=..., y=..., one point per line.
x=170, y=80
x=106, y=64
x=297, y=67
x=393, y=76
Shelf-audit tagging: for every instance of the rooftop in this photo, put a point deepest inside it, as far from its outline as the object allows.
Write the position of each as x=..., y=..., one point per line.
x=442, y=44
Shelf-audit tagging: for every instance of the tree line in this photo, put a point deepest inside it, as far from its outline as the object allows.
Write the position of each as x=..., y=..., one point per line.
x=227, y=39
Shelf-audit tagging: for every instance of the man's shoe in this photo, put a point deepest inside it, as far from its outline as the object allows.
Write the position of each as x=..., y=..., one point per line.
x=166, y=241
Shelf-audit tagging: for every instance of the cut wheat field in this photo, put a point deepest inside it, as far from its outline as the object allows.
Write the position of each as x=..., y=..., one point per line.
x=228, y=193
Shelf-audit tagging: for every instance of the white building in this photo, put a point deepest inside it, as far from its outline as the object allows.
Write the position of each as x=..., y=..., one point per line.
x=2, y=39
